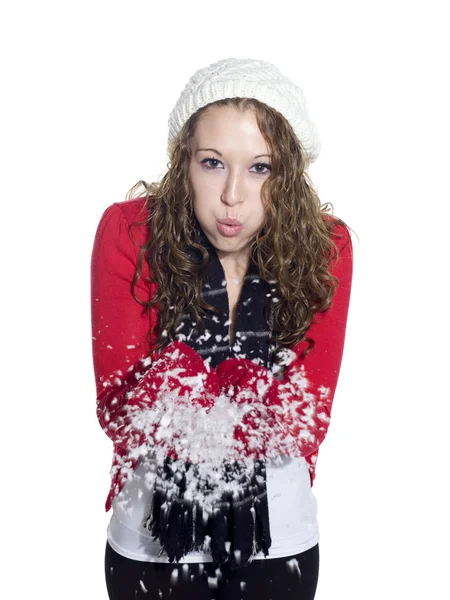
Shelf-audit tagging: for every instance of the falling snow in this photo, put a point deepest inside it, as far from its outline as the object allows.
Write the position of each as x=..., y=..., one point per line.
x=170, y=413
x=293, y=566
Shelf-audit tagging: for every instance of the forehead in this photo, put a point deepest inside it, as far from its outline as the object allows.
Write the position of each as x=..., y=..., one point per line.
x=228, y=126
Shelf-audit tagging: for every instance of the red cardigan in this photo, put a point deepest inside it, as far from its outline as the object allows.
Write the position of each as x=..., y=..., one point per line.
x=121, y=353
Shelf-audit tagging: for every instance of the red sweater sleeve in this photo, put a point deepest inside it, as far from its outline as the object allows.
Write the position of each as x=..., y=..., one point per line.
x=119, y=327
x=299, y=406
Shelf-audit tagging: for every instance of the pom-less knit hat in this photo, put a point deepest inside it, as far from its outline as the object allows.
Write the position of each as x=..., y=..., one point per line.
x=247, y=78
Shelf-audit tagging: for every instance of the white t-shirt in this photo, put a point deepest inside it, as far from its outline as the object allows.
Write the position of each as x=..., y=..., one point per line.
x=292, y=514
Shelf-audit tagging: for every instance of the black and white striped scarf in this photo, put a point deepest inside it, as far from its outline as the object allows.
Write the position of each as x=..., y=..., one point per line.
x=238, y=528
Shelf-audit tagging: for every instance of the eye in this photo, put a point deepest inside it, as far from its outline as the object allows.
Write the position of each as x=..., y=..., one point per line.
x=213, y=165
x=263, y=168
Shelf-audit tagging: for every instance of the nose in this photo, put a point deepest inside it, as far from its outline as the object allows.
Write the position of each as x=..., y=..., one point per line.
x=233, y=192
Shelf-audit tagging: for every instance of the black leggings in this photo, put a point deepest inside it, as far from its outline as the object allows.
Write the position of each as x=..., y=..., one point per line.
x=268, y=579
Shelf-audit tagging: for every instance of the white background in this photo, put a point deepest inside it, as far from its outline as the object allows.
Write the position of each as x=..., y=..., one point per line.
x=87, y=90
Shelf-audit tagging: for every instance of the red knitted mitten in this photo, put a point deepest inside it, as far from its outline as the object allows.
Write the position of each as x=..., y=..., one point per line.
x=180, y=368
x=297, y=413
x=245, y=382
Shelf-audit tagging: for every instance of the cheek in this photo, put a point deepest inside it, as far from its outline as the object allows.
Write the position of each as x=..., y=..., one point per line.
x=201, y=205
x=202, y=183
x=259, y=211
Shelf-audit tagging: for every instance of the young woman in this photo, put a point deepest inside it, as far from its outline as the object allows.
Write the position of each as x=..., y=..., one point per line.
x=219, y=309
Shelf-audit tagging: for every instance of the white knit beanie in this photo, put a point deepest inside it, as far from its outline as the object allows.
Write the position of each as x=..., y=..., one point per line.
x=247, y=78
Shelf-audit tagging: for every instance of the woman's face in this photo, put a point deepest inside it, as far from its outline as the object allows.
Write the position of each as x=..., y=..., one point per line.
x=230, y=162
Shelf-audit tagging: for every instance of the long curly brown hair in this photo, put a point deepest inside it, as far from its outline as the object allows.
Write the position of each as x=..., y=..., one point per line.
x=293, y=248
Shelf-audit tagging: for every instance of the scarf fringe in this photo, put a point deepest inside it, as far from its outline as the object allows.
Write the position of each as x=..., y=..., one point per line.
x=236, y=530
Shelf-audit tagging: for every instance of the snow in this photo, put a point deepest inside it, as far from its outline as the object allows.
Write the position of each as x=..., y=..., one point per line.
x=293, y=566
x=205, y=436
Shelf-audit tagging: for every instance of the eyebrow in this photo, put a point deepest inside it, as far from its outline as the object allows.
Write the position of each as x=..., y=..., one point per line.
x=220, y=154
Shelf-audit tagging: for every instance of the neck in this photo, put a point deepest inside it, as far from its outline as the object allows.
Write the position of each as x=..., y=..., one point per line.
x=235, y=267
x=235, y=271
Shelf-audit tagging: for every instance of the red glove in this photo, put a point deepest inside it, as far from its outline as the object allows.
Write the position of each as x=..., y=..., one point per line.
x=246, y=382
x=132, y=413
x=289, y=416
x=243, y=380
x=180, y=368
x=253, y=434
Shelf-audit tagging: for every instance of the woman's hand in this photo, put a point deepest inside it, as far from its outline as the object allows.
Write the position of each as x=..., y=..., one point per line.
x=181, y=371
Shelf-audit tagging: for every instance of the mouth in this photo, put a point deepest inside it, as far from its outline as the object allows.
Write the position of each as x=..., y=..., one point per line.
x=230, y=222
x=229, y=230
